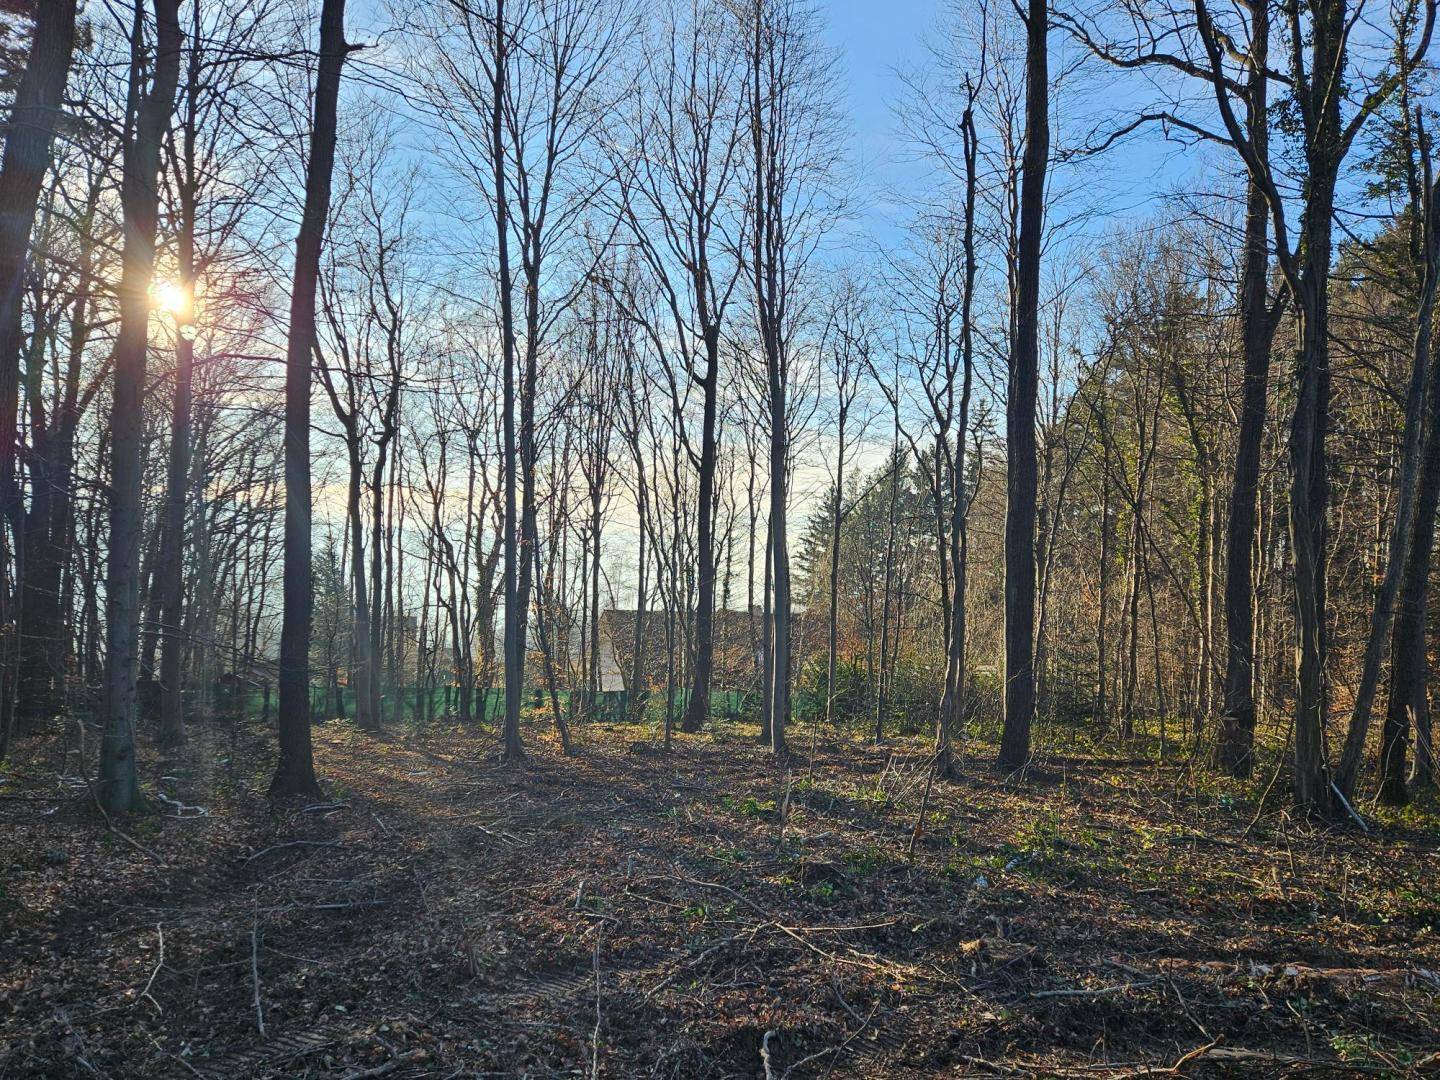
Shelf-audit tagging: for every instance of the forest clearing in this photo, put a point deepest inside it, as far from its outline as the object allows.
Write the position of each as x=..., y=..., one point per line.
x=628, y=912
x=719, y=538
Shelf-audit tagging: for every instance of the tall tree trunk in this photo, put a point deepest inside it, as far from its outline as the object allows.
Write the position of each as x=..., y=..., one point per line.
x=1102, y=607
x=698, y=707
x=295, y=772
x=45, y=647
x=1020, y=405
x=34, y=115
x=364, y=668
x=767, y=639
x=836, y=519
x=1408, y=707
x=515, y=603
x=150, y=110
x=593, y=662
x=952, y=703
x=638, y=688
x=1309, y=495
x=377, y=574
x=1403, y=533
x=780, y=583
x=170, y=576
x=889, y=580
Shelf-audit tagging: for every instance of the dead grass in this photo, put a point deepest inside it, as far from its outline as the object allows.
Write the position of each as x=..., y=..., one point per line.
x=640, y=914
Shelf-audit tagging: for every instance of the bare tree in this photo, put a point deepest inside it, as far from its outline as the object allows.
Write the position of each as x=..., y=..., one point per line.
x=34, y=116
x=517, y=89
x=1408, y=708
x=147, y=119
x=295, y=771
x=678, y=166
x=1020, y=409
x=792, y=156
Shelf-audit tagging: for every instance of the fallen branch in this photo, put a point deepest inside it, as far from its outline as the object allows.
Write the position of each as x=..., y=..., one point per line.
x=595, y=1035
x=255, y=972
x=182, y=810
x=1101, y=991
x=1169, y=1070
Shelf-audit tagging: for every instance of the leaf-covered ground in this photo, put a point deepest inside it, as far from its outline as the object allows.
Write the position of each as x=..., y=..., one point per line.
x=632, y=912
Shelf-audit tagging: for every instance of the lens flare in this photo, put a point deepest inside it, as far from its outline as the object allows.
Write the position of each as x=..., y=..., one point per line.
x=173, y=299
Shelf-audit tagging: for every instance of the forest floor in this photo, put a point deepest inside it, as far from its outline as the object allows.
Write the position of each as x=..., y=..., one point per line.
x=628, y=912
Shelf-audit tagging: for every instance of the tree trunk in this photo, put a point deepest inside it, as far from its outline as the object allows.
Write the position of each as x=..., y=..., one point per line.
x=119, y=786
x=952, y=703
x=780, y=557
x=295, y=772
x=45, y=647
x=34, y=114
x=638, y=687
x=1403, y=534
x=1102, y=607
x=698, y=708
x=170, y=573
x=833, y=627
x=1409, y=661
x=1020, y=406
x=1235, y=739
x=887, y=587
x=515, y=603
x=360, y=598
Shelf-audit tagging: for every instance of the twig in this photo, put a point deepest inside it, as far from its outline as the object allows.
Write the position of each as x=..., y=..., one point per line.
x=188, y=1067
x=255, y=972
x=595, y=1035
x=294, y=843
x=765, y=1055
x=80, y=1047
x=322, y=807
x=389, y=1066
x=993, y=1066
x=1349, y=809
x=1260, y=808
x=784, y=811
x=336, y=905
x=1198, y=1052
x=1177, y=1069
x=95, y=798
x=668, y=979
x=920, y=819
x=857, y=959
x=839, y=1051
x=1098, y=992
x=160, y=963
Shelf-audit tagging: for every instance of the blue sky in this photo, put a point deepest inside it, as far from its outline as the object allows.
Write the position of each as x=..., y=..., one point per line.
x=875, y=37
x=878, y=38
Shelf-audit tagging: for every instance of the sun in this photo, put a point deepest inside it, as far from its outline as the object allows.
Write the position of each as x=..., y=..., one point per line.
x=173, y=299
